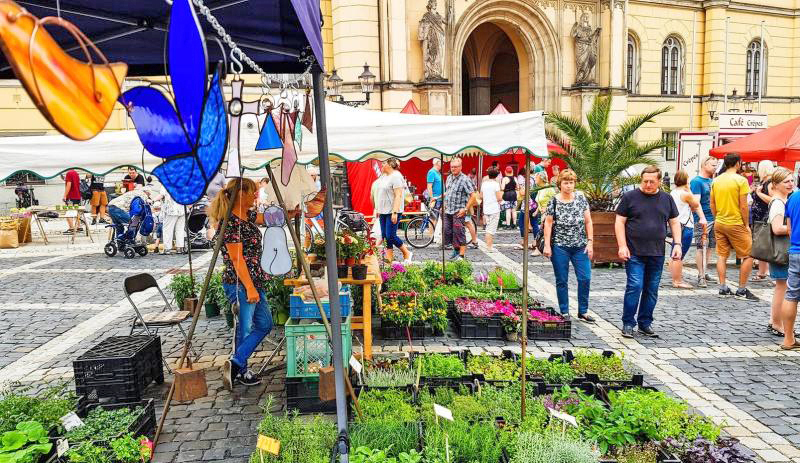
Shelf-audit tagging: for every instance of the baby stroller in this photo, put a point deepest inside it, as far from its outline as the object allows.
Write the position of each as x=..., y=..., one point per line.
x=196, y=226
x=125, y=239
x=25, y=196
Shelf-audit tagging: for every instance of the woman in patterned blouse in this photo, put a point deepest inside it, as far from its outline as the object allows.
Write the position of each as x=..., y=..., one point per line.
x=243, y=278
x=568, y=238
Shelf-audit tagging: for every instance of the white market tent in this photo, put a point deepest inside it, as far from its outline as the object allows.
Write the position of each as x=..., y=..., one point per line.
x=353, y=135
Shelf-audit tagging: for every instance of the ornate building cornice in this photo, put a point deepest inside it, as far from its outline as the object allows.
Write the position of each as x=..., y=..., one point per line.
x=725, y=4
x=581, y=7
x=606, y=4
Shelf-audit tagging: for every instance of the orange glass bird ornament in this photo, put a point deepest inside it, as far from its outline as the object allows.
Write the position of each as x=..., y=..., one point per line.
x=76, y=97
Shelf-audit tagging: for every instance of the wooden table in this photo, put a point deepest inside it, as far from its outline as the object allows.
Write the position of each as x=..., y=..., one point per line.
x=79, y=218
x=363, y=322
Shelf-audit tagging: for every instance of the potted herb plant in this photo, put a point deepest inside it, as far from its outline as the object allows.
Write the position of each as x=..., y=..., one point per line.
x=184, y=289
x=215, y=297
x=318, y=252
x=600, y=160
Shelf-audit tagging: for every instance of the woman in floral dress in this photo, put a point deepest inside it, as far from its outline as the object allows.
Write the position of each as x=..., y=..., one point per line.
x=244, y=280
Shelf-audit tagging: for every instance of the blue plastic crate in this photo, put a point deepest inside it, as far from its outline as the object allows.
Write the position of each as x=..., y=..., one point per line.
x=301, y=309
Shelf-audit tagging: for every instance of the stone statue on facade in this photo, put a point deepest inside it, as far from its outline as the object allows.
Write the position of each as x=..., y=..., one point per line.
x=432, y=36
x=586, y=49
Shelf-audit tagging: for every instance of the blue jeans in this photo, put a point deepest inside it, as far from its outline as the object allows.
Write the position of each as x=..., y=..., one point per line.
x=119, y=218
x=686, y=240
x=521, y=224
x=255, y=322
x=561, y=258
x=641, y=290
x=389, y=231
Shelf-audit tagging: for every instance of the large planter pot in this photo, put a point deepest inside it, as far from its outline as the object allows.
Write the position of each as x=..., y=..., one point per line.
x=212, y=310
x=229, y=318
x=605, y=240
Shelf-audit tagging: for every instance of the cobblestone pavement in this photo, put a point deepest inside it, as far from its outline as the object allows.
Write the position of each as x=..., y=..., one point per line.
x=58, y=301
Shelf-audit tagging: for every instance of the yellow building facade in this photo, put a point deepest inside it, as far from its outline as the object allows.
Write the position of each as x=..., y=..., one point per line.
x=684, y=53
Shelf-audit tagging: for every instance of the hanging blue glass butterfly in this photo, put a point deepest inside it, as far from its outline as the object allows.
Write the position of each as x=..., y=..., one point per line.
x=191, y=135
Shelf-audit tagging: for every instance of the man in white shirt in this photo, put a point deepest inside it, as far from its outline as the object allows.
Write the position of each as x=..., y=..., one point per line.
x=491, y=196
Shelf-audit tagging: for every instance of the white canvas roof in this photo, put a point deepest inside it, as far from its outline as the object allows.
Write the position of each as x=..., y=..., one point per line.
x=353, y=135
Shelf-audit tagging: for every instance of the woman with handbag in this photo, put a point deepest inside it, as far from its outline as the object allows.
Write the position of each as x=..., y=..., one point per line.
x=761, y=194
x=687, y=203
x=782, y=187
x=568, y=235
x=509, y=187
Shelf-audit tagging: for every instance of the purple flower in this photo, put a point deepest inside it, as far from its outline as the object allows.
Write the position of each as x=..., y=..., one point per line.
x=398, y=267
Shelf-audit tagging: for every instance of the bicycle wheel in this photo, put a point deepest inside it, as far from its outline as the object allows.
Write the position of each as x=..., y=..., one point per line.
x=419, y=232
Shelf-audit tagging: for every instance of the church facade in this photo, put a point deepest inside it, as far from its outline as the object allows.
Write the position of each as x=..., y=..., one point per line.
x=703, y=58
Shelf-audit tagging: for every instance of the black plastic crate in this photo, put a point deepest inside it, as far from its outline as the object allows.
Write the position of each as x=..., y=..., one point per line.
x=391, y=330
x=302, y=394
x=119, y=369
x=469, y=327
x=634, y=381
x=662, y=457
x=549, y=331
x=145, y=424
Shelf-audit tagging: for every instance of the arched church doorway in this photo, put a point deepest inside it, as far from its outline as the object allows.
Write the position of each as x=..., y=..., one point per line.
x=490, y=71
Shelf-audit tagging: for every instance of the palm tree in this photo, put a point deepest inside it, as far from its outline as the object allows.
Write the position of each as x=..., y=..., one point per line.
x=598, y=157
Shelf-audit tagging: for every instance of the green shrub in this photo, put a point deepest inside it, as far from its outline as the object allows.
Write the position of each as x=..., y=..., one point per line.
x=607, y=368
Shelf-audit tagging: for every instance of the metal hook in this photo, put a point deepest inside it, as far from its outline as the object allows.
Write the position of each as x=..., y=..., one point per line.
x=236, y=63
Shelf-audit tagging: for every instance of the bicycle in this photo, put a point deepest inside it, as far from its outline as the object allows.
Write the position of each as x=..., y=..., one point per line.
x=420, y=230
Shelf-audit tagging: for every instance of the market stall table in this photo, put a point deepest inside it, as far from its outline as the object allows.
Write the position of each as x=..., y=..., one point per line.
x=364, y=322
x=79, y=216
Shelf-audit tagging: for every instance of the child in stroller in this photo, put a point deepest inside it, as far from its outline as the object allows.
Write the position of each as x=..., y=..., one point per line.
x=125, y=237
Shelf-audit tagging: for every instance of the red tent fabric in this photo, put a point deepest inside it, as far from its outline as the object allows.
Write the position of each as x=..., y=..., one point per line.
x=410, y=108
x=780, y=143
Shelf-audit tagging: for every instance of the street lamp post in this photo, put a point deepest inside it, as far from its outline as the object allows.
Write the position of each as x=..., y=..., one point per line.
x=334, y=90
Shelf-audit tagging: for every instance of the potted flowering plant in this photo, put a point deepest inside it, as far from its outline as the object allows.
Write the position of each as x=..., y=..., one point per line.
x=316, y=257
x=348, y=246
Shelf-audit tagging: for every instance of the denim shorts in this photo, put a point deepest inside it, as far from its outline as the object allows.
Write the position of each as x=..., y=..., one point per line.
x=778, y=272
x=793, y=280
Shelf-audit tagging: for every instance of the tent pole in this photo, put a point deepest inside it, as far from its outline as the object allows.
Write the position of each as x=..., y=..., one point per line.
x=330, y=252
x=527, y=229
x=441, y=209
x=188, y=245
x=195, y=318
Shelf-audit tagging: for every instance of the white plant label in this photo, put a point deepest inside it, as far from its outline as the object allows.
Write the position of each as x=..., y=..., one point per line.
x=71, y=421
x=62, y=446
x=355, y=365
x=565, y=417
x=443, y=412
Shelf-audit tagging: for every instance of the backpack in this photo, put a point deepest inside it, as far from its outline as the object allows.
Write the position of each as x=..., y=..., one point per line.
x=86, y=193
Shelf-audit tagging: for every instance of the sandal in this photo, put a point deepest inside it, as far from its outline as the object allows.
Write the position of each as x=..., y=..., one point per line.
x=774, y=331
x=794, y=346
x=758, y=278
x=682, y=285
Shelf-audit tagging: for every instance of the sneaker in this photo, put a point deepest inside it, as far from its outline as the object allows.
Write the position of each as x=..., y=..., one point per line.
x=586, y=317
x=473, y=245
x=701, y=283
x=744, y=294
x=710, y=279
x=94, y=221
x=67, y=232
x=247, y=378
x=627, y=332
x=725, y=291
x=453, y=255
x=647, y=331
x=229, y=371
x=408, y=261
x=458, y=258
x=102, y=221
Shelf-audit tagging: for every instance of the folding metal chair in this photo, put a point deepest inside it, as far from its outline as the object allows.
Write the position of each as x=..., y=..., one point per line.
x=165, y=318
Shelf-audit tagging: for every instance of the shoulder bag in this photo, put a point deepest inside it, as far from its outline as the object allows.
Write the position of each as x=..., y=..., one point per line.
x=768, y=246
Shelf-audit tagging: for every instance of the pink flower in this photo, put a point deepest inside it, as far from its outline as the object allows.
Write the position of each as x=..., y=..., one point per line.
x=398, y=267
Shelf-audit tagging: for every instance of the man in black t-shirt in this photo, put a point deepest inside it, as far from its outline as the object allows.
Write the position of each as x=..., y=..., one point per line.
x=132, y=179
x=642, y=216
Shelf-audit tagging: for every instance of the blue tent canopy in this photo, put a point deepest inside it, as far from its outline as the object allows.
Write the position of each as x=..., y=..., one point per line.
x=274, y=33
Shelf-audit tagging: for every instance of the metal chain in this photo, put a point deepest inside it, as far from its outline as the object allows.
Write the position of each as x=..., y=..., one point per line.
x=284, y=80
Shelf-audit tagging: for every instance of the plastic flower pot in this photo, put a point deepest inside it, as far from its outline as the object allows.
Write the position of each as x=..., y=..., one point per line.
x=360, y=272
x=342, y=270
x=229, y=318
x=512, y=336
x=212, y=309
x=350, y=261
